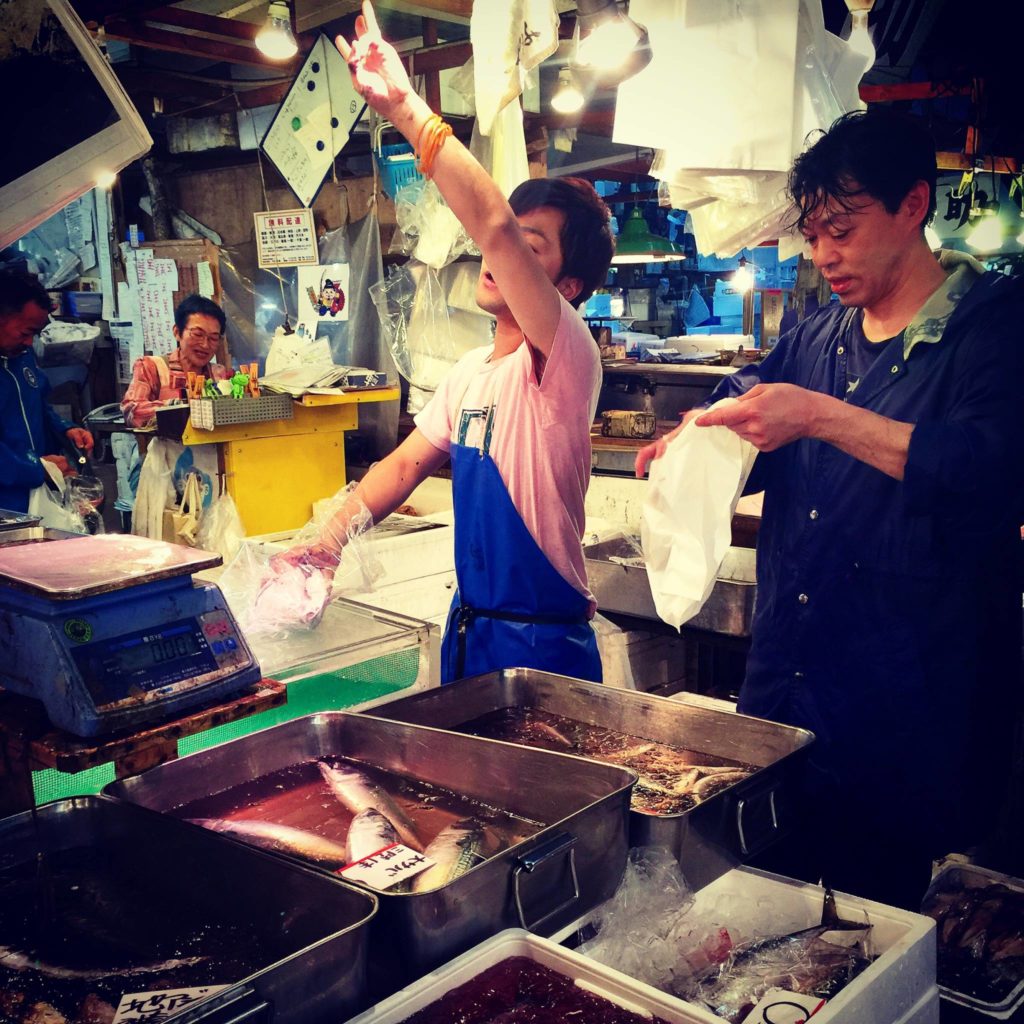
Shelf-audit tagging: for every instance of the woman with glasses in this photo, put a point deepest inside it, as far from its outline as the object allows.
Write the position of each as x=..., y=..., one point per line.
x=198, y=328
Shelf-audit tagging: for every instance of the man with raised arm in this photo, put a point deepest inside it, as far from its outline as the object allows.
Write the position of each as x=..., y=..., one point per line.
x=515, y=417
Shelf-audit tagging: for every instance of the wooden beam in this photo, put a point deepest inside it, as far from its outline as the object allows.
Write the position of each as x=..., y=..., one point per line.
x=97, y=10
x=153, y=38
x=438, y=58
x=432, y=79
x=310, y=14
x=962, y=162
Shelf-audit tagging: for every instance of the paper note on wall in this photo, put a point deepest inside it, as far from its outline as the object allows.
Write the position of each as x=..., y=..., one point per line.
x=205, y=276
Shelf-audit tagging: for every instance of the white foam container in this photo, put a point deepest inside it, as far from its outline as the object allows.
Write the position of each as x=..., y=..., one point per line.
x=924, y=1011
x=592, y=976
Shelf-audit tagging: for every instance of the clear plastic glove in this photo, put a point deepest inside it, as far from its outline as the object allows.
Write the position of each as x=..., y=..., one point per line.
x=317, y=557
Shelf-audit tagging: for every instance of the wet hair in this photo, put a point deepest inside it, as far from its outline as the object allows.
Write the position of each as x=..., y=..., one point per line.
x=586, y=235
x=197, y=304
x=18, y=288
x=878, y=153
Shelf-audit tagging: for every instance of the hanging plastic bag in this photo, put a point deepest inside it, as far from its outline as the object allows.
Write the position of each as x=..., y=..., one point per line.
x=686, y=524
x=156, y=489
x=185, y=520
x=51, y=502
x=220, y=528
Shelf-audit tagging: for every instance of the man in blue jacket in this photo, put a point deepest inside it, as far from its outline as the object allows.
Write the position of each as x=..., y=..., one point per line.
x=888, y=616
x=30, y=430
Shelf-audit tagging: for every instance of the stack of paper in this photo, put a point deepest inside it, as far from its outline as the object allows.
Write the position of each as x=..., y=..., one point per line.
x=322, y=378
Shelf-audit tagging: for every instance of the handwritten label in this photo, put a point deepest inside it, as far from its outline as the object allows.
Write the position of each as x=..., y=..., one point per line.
x=781, y=1007
x=153, y=1007
x=387, y=868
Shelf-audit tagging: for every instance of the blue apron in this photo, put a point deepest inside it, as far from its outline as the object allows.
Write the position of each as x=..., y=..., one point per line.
x=513, y=609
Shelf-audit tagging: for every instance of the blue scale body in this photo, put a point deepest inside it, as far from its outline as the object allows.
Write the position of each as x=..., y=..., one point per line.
x=125, y=658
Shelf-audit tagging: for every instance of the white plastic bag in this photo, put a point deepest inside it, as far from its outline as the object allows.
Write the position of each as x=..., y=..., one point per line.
x=50, y=501
x=221, y=528
x=686, y=524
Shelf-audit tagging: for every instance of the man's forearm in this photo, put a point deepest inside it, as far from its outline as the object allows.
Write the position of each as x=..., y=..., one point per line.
x=877, y=440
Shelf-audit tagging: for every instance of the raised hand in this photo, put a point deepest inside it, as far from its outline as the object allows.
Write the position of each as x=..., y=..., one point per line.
x=378, y=73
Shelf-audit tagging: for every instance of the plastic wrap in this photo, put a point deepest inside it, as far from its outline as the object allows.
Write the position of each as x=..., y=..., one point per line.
x=431, y=233
x=648, y=930
x=53, y=503
x=274, y=593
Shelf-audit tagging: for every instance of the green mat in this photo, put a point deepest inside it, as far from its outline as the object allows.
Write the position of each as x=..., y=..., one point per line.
x=332, y=691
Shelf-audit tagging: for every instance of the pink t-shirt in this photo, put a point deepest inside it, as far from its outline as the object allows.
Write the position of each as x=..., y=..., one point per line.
x=537, y=434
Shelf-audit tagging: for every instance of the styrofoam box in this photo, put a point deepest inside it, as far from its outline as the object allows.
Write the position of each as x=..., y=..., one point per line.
x=593, y=977
x=924, y=1011
x=888, y=991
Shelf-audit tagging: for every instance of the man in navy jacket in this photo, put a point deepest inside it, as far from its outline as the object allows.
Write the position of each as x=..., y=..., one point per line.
x=888, y=617
x=30, y=430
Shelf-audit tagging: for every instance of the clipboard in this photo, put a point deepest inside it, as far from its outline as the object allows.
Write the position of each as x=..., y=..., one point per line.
x=314, y=121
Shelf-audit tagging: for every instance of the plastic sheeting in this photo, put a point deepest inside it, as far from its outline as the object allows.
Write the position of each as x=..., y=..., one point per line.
x=761, y=77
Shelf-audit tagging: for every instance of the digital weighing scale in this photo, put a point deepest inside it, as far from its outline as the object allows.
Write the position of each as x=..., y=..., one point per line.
x=111, y=632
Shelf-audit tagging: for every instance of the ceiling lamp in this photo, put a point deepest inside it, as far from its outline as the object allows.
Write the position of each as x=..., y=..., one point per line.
x=611, y=44
x=987, y=236
x=567, y=98
x=276, y=39
x=743, y=277
x=638, y=244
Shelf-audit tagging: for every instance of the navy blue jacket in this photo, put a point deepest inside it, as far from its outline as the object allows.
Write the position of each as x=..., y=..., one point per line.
x=888, y=617
x=29, y=428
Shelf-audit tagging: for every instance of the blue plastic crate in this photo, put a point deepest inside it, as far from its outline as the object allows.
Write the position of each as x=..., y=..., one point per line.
x=397, y=166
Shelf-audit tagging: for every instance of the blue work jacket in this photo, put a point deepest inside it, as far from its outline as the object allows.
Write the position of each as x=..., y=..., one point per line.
x=888, y=615
x=29, y=428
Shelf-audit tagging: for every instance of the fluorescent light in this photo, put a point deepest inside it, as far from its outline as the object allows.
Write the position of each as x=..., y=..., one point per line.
x=567, y=98
x=931, y=236
x=987, y=235
x=276, y=39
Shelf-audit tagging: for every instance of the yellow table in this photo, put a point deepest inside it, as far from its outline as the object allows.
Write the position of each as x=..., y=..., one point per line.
x=275, y=470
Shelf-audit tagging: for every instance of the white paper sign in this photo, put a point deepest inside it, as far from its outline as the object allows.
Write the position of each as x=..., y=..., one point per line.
x=286, y=238
x=205, y=275
x=781, y=1007
x=323, y=292
x=387, y=867
x=153, y=1007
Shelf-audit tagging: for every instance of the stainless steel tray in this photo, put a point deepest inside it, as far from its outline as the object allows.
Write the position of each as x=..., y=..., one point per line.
x=708, y=840
x=574, y=863
x=312, y=932
x=624, y=588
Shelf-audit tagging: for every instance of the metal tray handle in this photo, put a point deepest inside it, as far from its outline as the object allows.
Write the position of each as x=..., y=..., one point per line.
x=757, y=843
x=557, y=845
x=242, y=1006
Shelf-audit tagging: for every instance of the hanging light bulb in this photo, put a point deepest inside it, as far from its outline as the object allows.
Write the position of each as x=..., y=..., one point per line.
x=105, y=179
x=567, y=98
x=987, y=234
x=610, y=43
x=931, y=236
x=276, y=39
x=860, y=38
x=743, y=277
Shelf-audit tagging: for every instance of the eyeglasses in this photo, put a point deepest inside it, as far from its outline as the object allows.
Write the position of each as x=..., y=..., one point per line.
x=198, y=334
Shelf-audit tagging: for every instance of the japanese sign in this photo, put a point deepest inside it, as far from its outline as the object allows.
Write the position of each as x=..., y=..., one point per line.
x=153, y=1007
x=387, y=867
x=286, y=238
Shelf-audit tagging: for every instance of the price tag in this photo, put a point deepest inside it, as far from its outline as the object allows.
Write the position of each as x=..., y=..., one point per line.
x=386, y=868
x=781, y=1007
x=153, y=1007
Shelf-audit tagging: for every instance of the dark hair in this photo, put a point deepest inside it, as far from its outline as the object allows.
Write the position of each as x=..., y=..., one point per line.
x=17, y=288
x=193, y=304
x=878, y=152
x=586, y=236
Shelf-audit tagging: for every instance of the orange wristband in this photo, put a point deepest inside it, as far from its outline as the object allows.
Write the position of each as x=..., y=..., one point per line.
x=431, y=138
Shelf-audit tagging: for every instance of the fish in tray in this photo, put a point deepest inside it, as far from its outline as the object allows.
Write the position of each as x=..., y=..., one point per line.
x=454, y=851
x=369, y=832
x=980, y=938
x=816, y=961
x=267, y=835
x=357, y=793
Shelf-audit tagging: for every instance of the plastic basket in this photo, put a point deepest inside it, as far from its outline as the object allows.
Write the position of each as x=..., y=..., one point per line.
x=397, y=166
x=209, y=413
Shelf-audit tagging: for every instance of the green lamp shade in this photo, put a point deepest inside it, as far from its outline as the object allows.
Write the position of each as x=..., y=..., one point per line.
x=637, y=244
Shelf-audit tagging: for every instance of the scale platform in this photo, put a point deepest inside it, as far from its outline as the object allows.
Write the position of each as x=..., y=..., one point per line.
x=111, y=632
